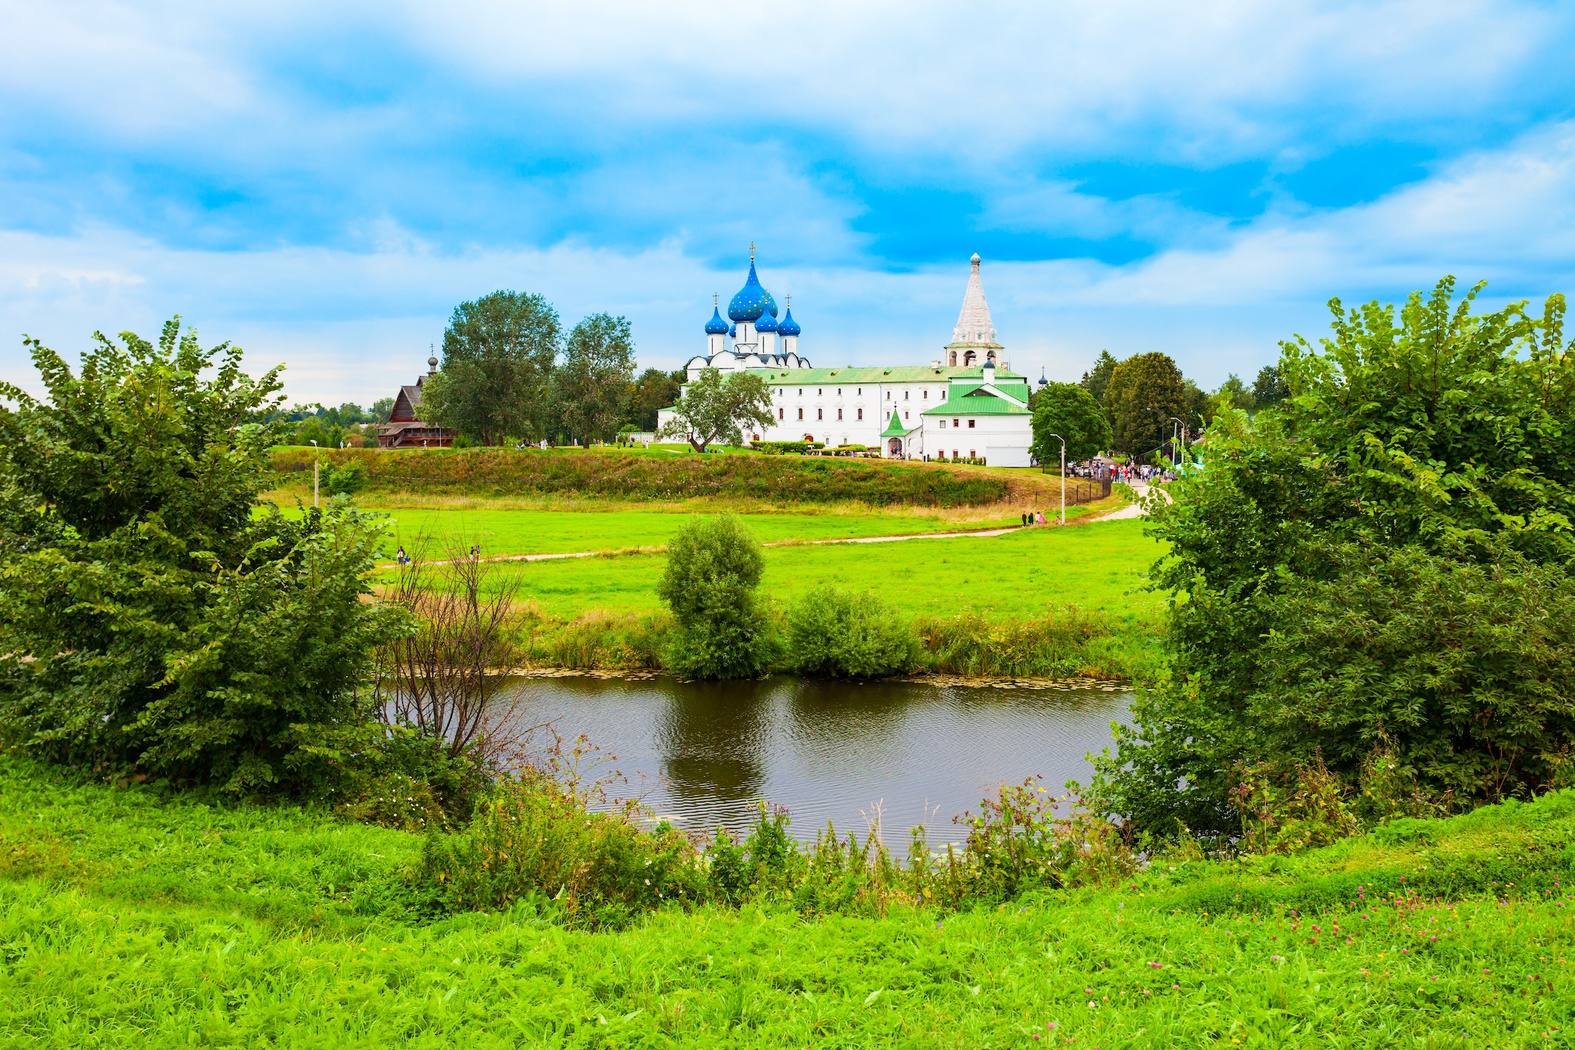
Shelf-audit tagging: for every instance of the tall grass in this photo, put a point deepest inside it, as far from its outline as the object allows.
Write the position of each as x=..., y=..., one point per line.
x=1068, y=644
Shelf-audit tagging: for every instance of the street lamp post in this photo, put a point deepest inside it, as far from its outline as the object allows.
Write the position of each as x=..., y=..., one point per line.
x=316, y=464
x=1181, y=448
x=1061, y=439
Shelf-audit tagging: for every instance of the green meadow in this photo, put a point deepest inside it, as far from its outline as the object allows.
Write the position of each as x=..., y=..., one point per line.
x=1098, y=567
x=528, y=531
x=132, y=920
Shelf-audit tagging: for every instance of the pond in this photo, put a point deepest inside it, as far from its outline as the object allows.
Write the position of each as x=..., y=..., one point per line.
x=702, y=754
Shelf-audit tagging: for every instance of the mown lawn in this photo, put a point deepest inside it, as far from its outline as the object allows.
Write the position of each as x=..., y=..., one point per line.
x=556, y=531
x=126, y=921
x=1097, y=567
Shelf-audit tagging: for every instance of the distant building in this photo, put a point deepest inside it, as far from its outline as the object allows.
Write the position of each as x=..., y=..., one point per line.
x=405, y=428
x=972, y=406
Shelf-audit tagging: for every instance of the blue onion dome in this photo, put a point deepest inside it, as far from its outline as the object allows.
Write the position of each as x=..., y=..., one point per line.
x=716, y=326
x=788, y=326
x=751, y=300
x=771, y=304
x=733, y=332
x=767, y=323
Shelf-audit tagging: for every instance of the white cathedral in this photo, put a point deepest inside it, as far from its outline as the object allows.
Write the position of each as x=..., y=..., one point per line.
x=967, y=404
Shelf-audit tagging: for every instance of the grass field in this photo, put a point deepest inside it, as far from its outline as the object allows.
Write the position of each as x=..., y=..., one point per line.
x=126, y=921
x=501, y=528
x=554, y=531
x=1098, y=568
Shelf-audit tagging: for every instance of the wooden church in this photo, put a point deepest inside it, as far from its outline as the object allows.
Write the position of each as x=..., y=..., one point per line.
x=405, y=428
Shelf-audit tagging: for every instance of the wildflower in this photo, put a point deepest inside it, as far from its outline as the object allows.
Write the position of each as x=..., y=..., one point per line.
x=1093, y=1005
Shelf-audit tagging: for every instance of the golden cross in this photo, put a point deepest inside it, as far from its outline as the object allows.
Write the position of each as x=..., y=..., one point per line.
x=751, y=251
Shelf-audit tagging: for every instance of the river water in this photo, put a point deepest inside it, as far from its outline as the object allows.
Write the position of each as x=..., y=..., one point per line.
x=704, y=754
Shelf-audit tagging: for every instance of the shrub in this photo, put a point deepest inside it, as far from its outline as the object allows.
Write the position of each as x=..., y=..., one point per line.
x=346, y=479
x=1382, y=557
x=151, y=624
x=834, y=633
x=713, y=568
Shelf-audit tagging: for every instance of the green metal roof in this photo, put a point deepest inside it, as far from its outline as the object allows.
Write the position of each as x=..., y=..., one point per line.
x=965, y=400
x=895, y=429
x=850, y=374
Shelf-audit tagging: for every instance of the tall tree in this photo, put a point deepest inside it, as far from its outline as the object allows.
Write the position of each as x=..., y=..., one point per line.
x=1145, y=391
x=498, y=356
x=1071, y=411
x=1096, y=379
x=716, y=407
x=1270, y=388
x=591, y=385
x=1233, y=393
x=653, y=391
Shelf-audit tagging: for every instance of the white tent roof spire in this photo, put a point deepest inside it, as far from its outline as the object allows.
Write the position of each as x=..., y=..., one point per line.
x=974, y=327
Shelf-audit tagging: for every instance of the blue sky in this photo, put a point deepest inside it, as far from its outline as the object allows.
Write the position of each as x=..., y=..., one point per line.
x=322, y=183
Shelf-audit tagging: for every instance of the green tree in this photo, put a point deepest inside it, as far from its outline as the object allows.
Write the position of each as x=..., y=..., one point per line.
x=1145, y=391
x=1070, y=410
x=382, y=409
x=1097, y=379
x=591, y=385
x=152, y=621
x=1269, y=388
x=653, y=391
x=498, y=357
x=1233, y=393
x=716, y=407
x=1374, y=565
x=713, y=567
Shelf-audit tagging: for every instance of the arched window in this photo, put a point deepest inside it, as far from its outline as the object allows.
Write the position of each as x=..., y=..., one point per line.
x=952, y=360
x=969, y=357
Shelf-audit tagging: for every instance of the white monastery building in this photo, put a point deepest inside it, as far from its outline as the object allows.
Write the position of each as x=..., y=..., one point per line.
x=967, y=404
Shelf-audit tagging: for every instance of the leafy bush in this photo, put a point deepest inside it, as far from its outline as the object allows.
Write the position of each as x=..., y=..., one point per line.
x=713, y=568
x=538, y=840
x=150, y=624
x=1379, y=563
x=834, y=633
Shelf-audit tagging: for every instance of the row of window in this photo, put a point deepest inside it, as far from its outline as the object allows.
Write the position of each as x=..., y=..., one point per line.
x=821, y=392
x=820, y=413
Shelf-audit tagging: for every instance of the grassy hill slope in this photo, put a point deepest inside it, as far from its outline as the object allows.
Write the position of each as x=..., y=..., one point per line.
x=637, y=474
x=130, y=921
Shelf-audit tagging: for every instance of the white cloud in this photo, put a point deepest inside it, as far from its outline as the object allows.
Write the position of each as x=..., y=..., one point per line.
x=974, y=82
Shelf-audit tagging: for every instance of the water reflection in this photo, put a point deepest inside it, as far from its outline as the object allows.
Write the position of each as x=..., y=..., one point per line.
x=712, y=739
x=828, y=750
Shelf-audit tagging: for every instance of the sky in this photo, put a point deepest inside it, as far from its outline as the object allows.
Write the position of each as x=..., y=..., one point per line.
x=321, y=183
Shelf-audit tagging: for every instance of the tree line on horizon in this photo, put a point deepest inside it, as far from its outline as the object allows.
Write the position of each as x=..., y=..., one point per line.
x=511, y=373
x=1135, y=407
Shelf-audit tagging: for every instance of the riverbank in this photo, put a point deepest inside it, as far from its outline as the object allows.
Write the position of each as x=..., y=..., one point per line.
x=138, y=921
